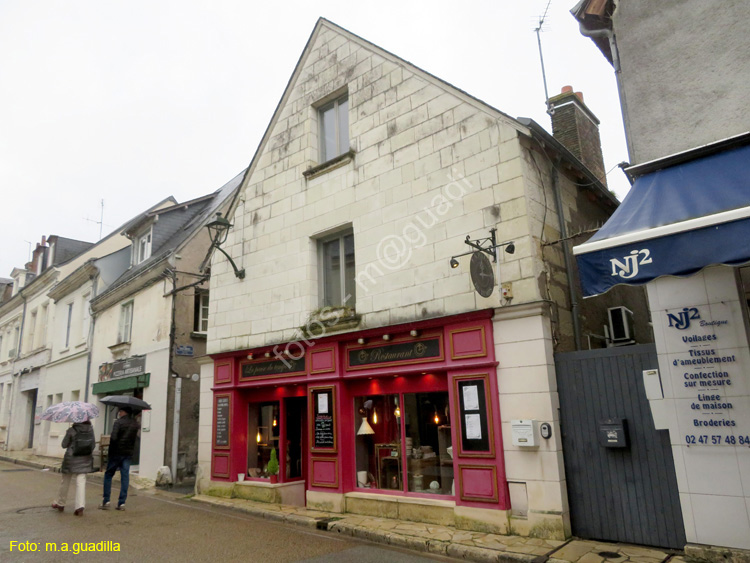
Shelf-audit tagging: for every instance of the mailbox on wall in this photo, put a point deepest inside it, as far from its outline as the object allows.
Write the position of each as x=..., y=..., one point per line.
x=524, y=433
x=613, y=433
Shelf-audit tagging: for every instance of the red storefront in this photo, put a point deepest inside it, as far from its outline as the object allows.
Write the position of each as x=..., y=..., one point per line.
x=407, y=410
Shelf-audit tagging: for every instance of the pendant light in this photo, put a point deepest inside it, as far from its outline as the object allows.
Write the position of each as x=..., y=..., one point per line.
x=365, y=429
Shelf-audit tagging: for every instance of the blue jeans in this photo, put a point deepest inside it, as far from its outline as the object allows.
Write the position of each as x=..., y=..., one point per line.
x=122, y=463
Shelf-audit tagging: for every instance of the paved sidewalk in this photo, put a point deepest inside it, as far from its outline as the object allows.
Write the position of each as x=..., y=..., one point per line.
x=448, y=541
x=45, y=463
x=428, y=538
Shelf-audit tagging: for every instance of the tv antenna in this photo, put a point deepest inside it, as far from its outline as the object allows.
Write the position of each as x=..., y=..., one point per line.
x=100, y=222
x=538, y=30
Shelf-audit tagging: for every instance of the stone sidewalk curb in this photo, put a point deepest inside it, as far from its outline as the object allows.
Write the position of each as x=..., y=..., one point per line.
x=138, y=483
x=338, y=524
x=31, y=463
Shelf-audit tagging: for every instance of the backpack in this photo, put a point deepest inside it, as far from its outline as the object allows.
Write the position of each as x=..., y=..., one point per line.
x=83, y=444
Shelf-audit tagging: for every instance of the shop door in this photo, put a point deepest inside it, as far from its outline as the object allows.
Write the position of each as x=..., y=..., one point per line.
x=624, y=494
x=296, y=438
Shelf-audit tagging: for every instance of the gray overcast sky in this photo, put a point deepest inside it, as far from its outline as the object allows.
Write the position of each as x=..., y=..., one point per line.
x=129, y=102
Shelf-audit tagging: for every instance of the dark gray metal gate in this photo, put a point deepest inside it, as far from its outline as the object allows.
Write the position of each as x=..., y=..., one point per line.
x=616, y=494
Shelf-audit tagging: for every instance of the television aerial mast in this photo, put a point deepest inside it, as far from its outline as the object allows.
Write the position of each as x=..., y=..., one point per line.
x=100, y=222
x=538, y=30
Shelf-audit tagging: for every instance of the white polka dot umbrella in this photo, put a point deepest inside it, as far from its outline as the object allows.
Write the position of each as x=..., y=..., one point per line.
x=71, y=411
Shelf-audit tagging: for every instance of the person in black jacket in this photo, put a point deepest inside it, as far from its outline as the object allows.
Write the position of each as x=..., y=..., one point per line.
x=121, y=447
x=79, y=438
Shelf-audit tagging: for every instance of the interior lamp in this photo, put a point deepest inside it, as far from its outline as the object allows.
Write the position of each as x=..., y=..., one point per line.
x=365, y=429
x=257, y=437
x=374, y=416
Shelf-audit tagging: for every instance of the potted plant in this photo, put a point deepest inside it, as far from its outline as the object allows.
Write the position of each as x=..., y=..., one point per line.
x=273, y=467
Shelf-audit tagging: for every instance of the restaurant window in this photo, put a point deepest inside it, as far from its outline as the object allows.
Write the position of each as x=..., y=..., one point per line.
x=263, y=436
x=337, y=270
x=334, y=128
x=406, y=434
x=429, y=457
x=378, y=442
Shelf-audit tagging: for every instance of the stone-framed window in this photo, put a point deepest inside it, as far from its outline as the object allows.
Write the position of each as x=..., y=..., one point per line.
x=333, y=120
x=126, y=322
x=337, y=270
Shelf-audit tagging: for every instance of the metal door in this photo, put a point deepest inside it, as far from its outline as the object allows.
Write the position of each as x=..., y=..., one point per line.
x=625, y=494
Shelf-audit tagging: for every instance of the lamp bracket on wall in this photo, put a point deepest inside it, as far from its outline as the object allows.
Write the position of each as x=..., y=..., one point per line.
x=487, y=245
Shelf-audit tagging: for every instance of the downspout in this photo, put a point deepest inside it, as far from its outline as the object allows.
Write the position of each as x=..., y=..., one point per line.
x=177, y=388
x=566, y=254
x=609, y=34
x=14, y=390
x=90, y=341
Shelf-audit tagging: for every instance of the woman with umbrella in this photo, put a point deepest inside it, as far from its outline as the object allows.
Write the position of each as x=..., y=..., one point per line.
x=79, y=442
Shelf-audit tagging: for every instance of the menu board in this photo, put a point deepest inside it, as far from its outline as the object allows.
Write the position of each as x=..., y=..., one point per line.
x=323, y=427
x=221, y=422
x=473, y=417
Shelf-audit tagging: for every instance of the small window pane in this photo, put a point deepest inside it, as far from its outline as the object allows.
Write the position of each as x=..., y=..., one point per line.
x=350, y=288
x=263, y=436
x=428, y=443
x=377, y=428
x=332, y=273
x=343, y=128
x=328, y=133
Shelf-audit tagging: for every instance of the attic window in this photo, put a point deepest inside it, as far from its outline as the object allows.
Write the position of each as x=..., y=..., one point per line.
x=334, y=128
x=142, y=249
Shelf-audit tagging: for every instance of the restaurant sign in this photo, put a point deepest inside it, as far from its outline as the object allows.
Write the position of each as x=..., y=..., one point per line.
x=271, y=368
x=403, y=352
x=136, y=365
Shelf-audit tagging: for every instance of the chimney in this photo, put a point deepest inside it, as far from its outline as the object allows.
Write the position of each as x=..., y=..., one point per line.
x=577, y=128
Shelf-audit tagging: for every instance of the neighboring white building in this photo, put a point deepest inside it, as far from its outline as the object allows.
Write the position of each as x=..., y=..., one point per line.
x=350, y=320
x=149, y=314
x=683, y=72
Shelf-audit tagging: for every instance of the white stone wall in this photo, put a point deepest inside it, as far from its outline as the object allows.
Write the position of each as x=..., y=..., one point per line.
x=528, y=391
x=431, y=166
x=712, y=463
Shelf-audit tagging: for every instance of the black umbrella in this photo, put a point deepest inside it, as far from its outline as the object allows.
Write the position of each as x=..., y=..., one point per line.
x=126, y=401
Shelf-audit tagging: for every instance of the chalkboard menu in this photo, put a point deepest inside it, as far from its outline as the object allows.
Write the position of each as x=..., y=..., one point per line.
x=474, y=418
x=323, y=424
x=221, y=423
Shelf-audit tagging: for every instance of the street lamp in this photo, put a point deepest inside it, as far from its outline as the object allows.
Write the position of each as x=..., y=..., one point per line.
x=218, y=230
x=487, y=245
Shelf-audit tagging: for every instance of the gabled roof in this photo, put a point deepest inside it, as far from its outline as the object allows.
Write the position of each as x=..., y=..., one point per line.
x=67, y=248
x=174, y=227
x=521, y=124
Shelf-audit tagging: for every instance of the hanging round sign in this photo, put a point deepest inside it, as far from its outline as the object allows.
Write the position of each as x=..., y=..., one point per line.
x=482, y=275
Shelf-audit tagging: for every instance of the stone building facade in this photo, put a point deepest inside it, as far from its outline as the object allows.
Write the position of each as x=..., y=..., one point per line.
x=370, y=177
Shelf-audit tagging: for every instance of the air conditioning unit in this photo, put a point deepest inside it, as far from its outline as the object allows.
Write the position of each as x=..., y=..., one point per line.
x=621, y=326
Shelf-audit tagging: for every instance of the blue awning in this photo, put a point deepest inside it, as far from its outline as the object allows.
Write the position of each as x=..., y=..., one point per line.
x=675, y=221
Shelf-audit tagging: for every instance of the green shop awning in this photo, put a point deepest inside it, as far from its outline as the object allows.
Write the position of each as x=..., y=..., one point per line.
x=121, y=384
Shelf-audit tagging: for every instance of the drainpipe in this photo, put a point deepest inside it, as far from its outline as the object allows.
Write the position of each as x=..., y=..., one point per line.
x=16, y=383
x=609, y=34
x=176, y=426
x=178, y=380
x=90, y=341
x=566, y=254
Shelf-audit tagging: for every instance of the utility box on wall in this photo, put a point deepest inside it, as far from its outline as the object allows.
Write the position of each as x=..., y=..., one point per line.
x=524, y=432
